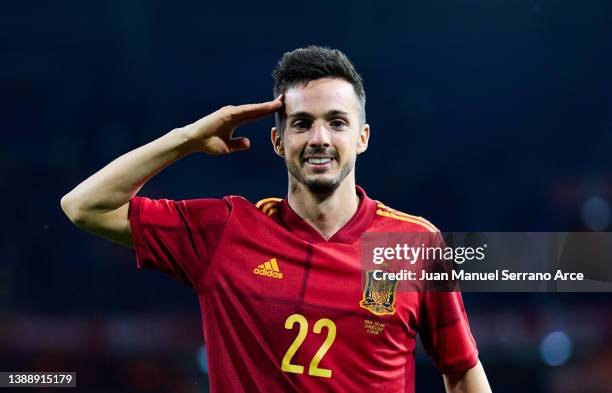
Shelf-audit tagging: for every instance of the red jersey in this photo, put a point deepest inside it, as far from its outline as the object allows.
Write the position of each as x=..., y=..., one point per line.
x=283, y=308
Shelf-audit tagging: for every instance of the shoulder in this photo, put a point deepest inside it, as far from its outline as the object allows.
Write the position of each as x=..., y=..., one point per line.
x=269, y=206
x=400, y=221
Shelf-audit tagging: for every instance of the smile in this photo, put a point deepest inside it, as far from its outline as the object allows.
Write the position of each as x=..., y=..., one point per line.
x=314, y=160
x=319, y=162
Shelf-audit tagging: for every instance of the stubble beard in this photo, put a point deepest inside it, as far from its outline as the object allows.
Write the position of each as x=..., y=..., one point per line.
x=316, y=184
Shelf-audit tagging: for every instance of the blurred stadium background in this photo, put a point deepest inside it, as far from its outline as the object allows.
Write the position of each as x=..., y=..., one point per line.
x=486, y=115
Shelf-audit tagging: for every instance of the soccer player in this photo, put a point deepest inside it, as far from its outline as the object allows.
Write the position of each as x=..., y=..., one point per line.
x=279, y=281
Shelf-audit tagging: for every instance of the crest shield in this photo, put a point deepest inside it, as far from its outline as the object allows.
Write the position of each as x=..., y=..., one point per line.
x=379, y=295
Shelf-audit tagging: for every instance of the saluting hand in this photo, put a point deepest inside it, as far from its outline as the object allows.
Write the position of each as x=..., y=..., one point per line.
x=214, y=134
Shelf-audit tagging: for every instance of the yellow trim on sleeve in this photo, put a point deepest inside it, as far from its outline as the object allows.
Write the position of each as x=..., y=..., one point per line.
x=415, y=220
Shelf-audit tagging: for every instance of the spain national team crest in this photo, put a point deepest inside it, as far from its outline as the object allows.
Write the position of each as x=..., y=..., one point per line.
x=379, y=295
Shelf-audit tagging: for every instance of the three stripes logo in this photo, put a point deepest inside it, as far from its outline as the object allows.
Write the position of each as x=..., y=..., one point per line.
x=269, y=269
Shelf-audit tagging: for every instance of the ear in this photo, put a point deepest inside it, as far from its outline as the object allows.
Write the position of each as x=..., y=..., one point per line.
x=277, y=141
x=364, y=137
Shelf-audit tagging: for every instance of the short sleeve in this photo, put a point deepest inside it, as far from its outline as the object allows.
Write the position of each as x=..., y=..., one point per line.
x=444, y=327
x=445, y=332
x=177, y=237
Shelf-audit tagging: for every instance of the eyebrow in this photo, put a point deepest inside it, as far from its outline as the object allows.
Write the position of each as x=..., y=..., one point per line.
x=329, y=114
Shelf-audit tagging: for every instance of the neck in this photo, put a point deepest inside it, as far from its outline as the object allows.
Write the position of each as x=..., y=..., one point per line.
x=326, y=213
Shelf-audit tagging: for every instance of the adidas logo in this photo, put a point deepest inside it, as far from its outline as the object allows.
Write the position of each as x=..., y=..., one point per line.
x=269, y=269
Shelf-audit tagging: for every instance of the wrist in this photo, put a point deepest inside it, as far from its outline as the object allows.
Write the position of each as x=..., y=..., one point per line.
x=183, y=141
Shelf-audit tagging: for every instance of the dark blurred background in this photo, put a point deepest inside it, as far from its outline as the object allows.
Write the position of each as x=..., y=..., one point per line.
x=486, y=115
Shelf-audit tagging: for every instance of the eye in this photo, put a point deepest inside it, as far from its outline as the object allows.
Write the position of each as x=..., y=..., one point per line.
x=338, y=124
x=302, y=124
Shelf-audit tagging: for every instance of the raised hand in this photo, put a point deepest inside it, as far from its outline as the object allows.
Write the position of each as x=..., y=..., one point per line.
x=214, y=134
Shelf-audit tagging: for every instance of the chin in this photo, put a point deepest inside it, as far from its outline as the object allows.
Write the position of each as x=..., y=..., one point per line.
x=321, y=185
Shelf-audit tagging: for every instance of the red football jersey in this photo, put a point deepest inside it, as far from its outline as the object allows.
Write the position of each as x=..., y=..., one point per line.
x=282, y=307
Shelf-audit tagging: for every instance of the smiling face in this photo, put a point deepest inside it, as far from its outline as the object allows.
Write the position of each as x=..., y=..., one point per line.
x=323, y=134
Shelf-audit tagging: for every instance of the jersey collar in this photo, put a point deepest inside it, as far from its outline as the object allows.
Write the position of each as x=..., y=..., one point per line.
x=348, y=234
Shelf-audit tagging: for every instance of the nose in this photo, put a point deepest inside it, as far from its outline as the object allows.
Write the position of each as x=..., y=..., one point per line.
x=319, y=135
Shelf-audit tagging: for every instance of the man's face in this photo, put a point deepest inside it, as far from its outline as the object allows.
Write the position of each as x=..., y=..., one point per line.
x=323, y=134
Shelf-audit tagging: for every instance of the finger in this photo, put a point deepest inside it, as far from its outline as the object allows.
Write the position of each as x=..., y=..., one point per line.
x=263, y=108
x=252, y=112
x=239, y=144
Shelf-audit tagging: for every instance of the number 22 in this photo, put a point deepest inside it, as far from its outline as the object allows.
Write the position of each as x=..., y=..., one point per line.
x=313, y=369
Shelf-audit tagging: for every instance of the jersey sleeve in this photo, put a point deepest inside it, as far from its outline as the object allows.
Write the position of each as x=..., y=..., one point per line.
x=177, y=237
x=445, y=332
x=444, y=327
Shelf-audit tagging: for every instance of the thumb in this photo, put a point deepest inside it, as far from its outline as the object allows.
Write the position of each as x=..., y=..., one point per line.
x=239, y=144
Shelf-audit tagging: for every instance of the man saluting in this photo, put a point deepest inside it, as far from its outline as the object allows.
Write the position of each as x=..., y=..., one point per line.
x=279, y=281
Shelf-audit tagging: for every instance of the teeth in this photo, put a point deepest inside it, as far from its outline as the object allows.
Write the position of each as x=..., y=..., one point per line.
x=319, y=160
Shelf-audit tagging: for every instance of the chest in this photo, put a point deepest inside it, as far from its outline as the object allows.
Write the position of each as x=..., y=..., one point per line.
x=276, y=275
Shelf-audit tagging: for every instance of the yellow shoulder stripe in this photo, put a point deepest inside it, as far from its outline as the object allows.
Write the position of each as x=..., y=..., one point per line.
x=268, y=206
x=425, y=225
x=398, y=215
x=263, y=201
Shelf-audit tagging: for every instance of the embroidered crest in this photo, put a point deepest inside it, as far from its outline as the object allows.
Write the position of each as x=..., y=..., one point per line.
x=379, y=295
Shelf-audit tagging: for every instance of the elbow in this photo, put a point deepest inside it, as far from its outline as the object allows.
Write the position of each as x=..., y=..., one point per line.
x=71, y=209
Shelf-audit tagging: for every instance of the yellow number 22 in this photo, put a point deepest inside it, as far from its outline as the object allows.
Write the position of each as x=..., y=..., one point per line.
x=314, y=369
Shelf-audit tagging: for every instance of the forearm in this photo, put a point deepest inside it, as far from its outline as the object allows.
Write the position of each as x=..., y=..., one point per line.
x=100, y=203
x=472, y=381
x=115, y=184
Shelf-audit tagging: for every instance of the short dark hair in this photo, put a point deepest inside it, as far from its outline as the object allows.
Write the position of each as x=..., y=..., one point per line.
x=300, y=66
